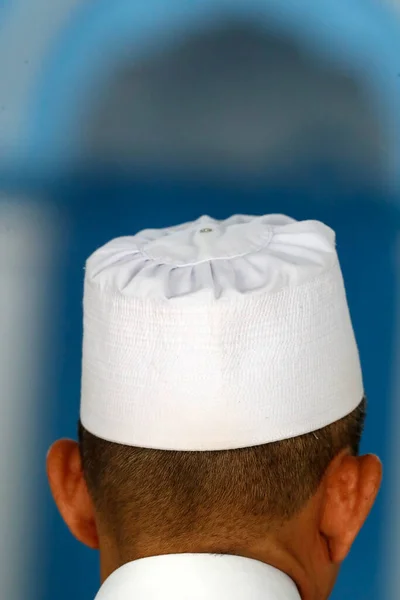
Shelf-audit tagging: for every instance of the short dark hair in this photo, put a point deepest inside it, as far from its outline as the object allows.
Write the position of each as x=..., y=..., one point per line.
x=218, y=495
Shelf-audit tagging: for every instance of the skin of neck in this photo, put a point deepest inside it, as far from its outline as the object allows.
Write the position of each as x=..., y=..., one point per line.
x=294, y=548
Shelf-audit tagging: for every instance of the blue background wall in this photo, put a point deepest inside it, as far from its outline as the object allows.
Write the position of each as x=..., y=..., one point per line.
x=88, y=207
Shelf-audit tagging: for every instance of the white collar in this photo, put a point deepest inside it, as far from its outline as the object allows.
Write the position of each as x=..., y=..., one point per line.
x=198, y=577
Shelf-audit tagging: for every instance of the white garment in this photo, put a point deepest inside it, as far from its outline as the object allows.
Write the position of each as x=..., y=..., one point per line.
x=215, y=335
x=198, y=577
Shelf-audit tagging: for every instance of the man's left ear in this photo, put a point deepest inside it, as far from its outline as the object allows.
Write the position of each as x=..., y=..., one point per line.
x=69, y=489
x=351, y=486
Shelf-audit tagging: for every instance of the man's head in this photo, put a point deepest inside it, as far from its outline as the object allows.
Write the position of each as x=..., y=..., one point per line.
x=221, y=406
x=298, y=503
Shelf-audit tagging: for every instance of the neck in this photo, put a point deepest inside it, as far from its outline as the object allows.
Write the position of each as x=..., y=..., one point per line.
x=199, y=576
x=273, y=552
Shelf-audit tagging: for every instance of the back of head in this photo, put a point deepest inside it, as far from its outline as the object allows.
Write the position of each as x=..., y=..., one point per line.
x=212, y=501
x=222, y=400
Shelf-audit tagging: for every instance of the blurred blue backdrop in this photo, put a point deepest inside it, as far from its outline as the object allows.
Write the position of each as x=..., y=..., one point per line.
x=116, y=117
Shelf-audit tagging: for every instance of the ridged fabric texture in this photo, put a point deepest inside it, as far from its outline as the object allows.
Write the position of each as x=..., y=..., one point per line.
x=217, y=335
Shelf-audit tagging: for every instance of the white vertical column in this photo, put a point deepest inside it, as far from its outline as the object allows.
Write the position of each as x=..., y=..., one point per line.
x=26, y=255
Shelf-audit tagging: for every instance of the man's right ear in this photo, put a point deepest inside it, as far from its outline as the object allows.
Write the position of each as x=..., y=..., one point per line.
x=69, y=489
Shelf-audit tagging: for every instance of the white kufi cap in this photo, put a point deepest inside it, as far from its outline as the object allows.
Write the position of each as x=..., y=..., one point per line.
x=217, y=335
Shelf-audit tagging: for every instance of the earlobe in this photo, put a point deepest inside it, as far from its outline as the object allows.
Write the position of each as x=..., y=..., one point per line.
x=68, y=486
x=352, y=485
